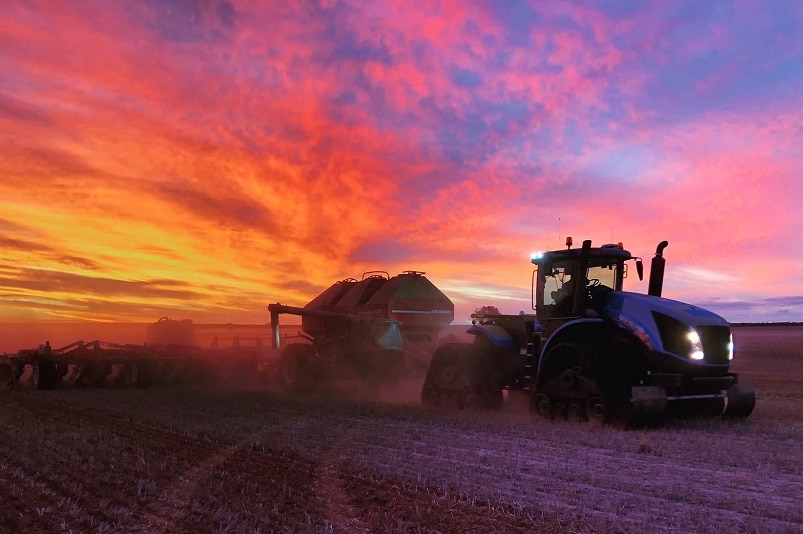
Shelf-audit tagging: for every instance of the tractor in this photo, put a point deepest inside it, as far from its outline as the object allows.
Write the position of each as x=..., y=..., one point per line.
x=592, y=351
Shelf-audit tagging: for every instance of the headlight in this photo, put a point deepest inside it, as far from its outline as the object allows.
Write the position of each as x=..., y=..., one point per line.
x=730, y=347
x=696, y=350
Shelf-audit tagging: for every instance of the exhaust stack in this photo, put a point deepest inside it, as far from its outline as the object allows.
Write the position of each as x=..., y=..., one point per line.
x=657, y=270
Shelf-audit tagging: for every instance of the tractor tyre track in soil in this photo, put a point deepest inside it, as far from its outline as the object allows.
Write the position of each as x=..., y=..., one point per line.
x=293, y=493
x=166, y=514
x=329, y=486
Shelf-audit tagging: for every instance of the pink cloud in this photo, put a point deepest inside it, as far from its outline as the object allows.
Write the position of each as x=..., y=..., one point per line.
x=278, y=141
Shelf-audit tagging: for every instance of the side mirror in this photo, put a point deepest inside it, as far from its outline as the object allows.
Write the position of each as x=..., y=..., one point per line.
x=640, y=269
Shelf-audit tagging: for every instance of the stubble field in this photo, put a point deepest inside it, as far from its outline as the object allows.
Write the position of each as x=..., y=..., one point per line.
x=247, y=459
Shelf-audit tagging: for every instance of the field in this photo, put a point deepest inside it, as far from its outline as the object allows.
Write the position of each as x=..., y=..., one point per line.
x=246, y=459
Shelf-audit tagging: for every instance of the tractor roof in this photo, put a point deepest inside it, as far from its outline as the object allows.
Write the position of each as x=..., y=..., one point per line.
x=603, y=254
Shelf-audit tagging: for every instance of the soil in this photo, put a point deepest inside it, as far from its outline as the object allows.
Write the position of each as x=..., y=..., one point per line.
x=248, y=459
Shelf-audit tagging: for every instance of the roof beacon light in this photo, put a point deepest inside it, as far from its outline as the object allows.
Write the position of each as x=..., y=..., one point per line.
x=620, y=245
x=569, y=242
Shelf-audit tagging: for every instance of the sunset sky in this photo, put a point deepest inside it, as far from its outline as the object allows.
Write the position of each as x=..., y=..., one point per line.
x=204, y=159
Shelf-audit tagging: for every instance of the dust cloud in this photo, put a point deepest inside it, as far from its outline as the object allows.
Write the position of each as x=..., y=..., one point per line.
x=17, y=336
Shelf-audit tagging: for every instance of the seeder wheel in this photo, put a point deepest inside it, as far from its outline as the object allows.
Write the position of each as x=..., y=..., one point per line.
x=430, y=396
x=297, y=371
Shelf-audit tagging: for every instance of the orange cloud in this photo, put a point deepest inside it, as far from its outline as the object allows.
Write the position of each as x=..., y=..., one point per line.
x=211, y=158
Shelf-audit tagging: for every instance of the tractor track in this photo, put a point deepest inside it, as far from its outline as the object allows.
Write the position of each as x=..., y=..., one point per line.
x=329, y=485
x=167, y=514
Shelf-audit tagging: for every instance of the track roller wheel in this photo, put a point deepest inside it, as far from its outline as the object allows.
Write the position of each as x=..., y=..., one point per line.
x=468, y=399
x=460, y=373
x=567, y=379
x=449, y=375
x=597, y=409
x=540, y=404
x=444, y=379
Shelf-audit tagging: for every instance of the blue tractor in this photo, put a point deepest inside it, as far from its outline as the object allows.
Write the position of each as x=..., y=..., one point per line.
x=592, y=351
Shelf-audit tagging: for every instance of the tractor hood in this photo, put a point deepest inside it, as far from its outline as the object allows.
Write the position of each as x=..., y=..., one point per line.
x=626, y=305
x=665, y=326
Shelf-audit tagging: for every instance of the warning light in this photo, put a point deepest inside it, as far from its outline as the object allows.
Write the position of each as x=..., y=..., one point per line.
x=620, y=245
x=568, y=242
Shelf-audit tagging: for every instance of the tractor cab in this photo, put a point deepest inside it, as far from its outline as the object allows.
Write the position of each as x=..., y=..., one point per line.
x=573, y=283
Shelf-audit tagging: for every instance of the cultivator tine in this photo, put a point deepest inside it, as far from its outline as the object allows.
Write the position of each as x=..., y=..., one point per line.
x=127, y=375
x=93, y=373
x=6, y=375
x=166, y=372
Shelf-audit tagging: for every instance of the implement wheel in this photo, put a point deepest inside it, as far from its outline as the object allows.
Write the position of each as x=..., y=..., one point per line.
x=44, y=374
x=138, y=374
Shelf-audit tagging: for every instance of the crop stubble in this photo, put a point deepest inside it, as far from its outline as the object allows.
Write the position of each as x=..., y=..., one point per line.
x=176, y=459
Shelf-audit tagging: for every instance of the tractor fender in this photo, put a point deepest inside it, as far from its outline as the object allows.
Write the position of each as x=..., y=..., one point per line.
x=498, y=336
x=566, y=333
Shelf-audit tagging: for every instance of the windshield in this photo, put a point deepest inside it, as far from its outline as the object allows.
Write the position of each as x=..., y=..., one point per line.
x=603, y=275
x=557, y=297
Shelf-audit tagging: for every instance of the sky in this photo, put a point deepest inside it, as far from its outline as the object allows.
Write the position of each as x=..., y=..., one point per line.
x=202, y=159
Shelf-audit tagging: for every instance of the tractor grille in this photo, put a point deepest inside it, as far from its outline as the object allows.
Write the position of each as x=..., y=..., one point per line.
x=715, y=341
